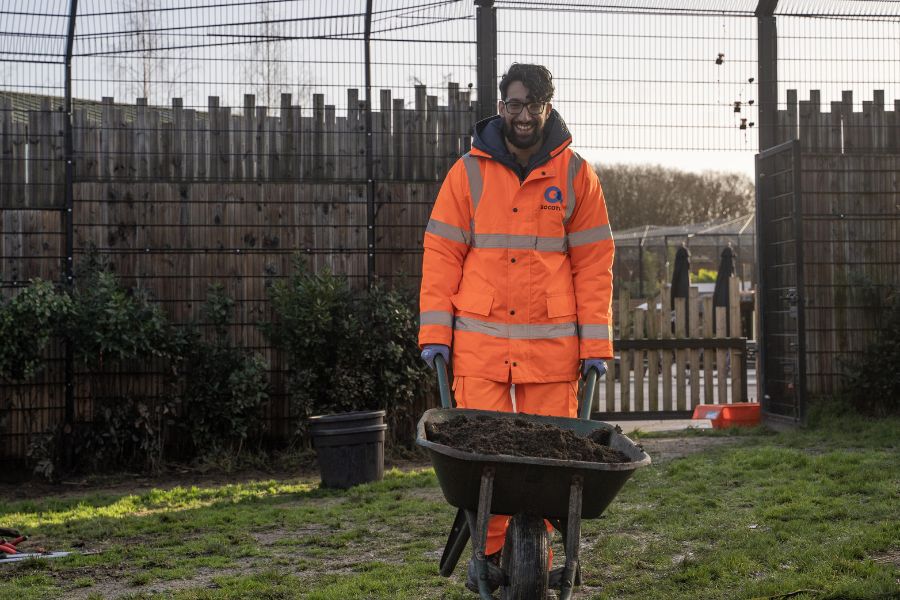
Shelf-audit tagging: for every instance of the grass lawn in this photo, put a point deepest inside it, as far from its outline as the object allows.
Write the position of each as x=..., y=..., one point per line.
x=803, y=515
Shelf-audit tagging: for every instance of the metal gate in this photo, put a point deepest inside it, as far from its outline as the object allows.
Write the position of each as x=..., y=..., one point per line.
x=782, y=364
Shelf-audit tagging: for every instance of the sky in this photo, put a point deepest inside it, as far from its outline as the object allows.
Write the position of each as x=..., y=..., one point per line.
x=635, y=88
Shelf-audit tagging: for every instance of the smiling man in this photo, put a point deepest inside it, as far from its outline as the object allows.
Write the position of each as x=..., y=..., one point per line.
x=517, y=268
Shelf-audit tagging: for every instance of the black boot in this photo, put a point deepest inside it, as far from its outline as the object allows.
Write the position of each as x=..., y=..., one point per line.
x=495, y=574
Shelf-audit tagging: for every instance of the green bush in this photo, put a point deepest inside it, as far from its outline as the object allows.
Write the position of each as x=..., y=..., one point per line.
x=872, y=379
x=704, y=276
x=346, y=351
x=395, y=375
x=113, y=330
x=28, y=321
x=223, y=387
x=144, y=377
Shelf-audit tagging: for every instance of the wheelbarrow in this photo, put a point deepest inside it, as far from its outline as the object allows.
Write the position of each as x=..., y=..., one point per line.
x=530, y=490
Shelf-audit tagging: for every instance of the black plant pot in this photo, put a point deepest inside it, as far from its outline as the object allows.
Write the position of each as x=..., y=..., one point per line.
x=350, y=447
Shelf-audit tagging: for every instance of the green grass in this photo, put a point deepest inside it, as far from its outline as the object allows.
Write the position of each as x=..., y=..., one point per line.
x=752, y=514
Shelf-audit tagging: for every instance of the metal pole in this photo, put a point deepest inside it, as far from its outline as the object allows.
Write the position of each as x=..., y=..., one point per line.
x=67, y=216
x=370, y=166
x=767, y=48
x=797, y=156
x=486, y=26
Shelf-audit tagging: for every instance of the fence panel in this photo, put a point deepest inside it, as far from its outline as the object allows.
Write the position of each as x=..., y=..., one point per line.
x=670, y=368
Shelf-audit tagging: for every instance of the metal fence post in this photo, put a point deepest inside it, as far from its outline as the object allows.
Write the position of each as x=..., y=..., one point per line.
x=486, y=26
x=370, y=166
x=767, y=48
x=67, y=215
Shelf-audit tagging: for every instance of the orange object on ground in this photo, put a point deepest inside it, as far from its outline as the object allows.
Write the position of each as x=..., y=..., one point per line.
x=742, y=414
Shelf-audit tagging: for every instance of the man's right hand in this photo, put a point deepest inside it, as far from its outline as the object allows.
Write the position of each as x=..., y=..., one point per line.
x=429, y=351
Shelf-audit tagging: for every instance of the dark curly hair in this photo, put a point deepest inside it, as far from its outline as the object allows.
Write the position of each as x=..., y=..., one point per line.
x=537, y=78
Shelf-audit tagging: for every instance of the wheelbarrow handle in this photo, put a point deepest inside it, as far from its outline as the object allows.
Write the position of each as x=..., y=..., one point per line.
x=587, y=396
x=443, y=381
x=584, y=409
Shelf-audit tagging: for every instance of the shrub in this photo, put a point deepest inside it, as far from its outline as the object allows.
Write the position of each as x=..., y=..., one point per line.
x=27, y=323
x=704, y=276
x=113, y=329
x=132, y=365
x=872, y=380
x=395, y=374
x=346, y=351
x=223, y=387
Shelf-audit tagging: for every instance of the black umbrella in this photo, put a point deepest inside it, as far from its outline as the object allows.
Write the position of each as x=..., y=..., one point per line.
x=726, y=270
x=681, y=275
x=681, y=279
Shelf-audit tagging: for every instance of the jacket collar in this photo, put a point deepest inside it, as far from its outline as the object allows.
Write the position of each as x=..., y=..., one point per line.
x=487, y=140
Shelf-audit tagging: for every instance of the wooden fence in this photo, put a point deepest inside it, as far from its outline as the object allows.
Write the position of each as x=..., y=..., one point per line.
x=117, y=142
x=850, y=194
x=673, y=360
x=850, y=215
x=842, y=130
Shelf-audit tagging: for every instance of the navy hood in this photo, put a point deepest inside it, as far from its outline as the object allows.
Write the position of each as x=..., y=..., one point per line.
x=488, y=137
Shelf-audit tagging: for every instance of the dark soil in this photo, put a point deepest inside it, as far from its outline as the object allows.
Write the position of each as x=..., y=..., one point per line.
x=519, y=437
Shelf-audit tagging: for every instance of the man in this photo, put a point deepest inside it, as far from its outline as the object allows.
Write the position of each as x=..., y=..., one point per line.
x=517, y=268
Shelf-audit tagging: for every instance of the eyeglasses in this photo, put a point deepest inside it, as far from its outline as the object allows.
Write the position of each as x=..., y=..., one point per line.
x=514, y=107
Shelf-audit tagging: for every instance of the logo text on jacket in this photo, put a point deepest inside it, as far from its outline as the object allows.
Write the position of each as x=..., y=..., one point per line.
x=554, y=196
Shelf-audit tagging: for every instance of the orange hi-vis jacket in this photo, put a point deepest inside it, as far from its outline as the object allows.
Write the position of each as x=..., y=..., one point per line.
x=517, y=268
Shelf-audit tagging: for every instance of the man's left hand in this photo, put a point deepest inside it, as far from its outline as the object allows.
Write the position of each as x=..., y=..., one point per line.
x=597, y=363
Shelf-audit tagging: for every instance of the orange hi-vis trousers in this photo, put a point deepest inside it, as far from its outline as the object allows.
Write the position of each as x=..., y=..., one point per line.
x=556, y=399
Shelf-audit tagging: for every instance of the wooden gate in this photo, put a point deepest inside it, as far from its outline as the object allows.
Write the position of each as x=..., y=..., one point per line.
x=669, y=361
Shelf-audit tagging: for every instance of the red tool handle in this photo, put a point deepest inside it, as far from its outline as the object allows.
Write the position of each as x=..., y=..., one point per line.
x=8, y=549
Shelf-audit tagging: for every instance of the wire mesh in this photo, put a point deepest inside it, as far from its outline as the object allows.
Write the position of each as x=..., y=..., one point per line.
x=212, y=141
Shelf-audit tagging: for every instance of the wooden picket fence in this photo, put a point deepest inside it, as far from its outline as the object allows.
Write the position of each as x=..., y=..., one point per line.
x=671, y=361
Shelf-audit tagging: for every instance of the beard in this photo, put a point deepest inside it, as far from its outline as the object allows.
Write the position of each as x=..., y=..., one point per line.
x=519, y=140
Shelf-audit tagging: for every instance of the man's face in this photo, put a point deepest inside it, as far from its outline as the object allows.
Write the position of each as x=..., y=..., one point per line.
x=523, y=130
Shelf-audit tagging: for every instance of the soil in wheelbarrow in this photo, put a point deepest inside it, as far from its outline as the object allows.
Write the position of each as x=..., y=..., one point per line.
x=519, y=437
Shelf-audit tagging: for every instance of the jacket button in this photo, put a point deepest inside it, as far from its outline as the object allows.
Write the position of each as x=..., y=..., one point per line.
x=512, y=312
x=512, y=260
x=543, y=172
x=505, y=362
x=515, y=210
x=515, y=364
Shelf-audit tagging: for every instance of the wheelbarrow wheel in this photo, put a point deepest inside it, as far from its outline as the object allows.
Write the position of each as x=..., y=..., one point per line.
x=524, y=558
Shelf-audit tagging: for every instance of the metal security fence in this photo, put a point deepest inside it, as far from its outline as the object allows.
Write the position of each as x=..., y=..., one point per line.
x=190, y=142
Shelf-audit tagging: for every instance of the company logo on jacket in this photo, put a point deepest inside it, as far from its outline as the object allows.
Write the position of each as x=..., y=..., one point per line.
x=554, y=196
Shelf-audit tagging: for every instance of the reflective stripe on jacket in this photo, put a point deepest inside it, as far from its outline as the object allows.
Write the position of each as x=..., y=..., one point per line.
x=517, y=275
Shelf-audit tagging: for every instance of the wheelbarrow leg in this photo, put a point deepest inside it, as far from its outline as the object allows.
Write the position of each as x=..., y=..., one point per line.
x=572, y=538
x=479, y=526
x=561, y=525
x=456, y=543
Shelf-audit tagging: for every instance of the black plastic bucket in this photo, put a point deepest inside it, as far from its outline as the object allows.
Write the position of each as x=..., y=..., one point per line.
x=350, y=447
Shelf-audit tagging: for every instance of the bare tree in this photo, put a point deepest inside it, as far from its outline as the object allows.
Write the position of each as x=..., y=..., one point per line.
x=266, y=71
x=146, y=62
x=653, y=195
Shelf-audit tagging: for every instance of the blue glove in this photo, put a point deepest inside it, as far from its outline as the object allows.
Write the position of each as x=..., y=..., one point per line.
x=599, y=363
x=432, y=350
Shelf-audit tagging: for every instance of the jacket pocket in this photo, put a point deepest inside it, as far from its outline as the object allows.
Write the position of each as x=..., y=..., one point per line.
x=561, y=306
x=473, y=302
